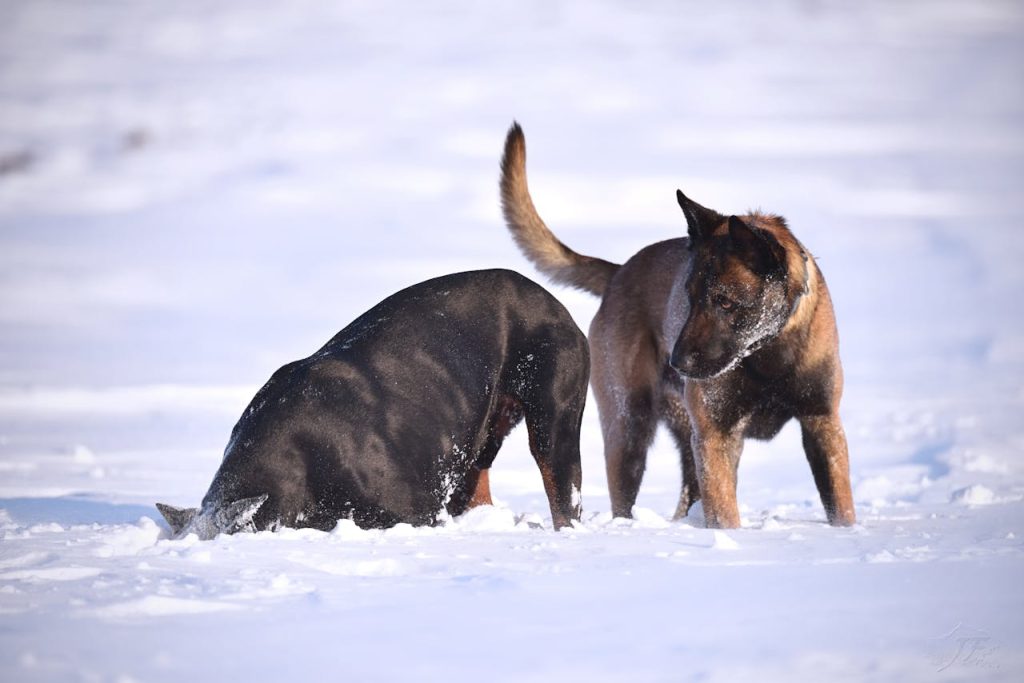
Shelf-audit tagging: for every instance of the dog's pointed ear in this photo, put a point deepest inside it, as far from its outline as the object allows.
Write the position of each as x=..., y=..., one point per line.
x=761, y=248
x=177, y=518
x=700, y=221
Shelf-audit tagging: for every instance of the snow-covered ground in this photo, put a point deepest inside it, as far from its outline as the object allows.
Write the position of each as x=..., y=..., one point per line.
x=193, y=193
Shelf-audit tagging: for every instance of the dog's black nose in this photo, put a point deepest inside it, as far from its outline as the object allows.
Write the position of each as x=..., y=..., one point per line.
x=683, y=362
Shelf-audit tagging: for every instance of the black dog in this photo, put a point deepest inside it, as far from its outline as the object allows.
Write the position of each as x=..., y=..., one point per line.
x=401, y=414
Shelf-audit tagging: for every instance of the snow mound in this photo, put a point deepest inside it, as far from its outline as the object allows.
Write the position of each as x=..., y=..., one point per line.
x=974, y=495
x=883, y=556
x=347, y=530
x=722, y=541
x=130, y=540
x=26, y=560
x=984, y=463
x=51, y=574
x=645, y=518
x=353, y=567
x=160, y=606
x=485, y=519
x=279, y=585
x=695, y=517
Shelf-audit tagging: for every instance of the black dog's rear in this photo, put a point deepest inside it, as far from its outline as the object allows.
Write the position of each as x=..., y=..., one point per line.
x=397, y=416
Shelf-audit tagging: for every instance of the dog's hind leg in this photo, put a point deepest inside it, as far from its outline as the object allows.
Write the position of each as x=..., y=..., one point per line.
x=673, y=413
x=825, y=447
x=628, y=433
x=553, y=412
x=555, y=444
x=624, y=377
x=475, y=489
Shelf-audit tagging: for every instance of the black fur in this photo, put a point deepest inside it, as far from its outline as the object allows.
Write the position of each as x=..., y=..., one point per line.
x=396, y=416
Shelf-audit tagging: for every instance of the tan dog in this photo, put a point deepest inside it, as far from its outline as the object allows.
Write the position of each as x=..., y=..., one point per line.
x=722, y=335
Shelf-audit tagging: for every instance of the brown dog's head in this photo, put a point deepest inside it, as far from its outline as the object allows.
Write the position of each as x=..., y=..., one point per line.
x=738, y=290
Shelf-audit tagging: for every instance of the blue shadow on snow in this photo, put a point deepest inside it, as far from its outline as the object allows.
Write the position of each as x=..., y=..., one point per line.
x=74, y=510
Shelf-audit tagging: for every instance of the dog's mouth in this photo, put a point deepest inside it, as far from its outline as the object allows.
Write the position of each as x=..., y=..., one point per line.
x=691, y=366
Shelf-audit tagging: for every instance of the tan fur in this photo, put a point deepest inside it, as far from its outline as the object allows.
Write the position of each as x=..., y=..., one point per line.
x=482, y=491
x=717, y=453
x=554, y=259
x=643, y=310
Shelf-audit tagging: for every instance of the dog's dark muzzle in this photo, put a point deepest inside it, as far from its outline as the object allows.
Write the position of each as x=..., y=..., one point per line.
x=695, y=363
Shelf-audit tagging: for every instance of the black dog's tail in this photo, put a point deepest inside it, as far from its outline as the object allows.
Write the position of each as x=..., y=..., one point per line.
x=554, y=259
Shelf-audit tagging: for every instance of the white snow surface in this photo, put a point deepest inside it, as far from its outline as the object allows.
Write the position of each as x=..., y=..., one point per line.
x=193, y=194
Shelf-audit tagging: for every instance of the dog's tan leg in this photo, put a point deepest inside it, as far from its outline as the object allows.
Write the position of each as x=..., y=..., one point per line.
x=716, y=455
x=825, y=447
x=482, y=490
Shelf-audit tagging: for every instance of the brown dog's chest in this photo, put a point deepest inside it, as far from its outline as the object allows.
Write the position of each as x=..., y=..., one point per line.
x=760, y=405
x=766, y=419
x=759, y=411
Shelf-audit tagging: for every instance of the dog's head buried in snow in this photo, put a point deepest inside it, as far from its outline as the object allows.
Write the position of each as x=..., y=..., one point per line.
x=400, y=415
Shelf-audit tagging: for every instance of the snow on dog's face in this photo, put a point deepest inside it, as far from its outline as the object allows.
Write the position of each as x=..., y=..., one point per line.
x=209, y=522
x=737, y=291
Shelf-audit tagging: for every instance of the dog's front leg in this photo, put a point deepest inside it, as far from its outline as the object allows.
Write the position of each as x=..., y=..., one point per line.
x=717, y=456
x=825, y=447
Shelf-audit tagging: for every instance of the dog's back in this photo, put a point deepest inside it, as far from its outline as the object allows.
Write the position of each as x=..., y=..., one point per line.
x=395, y=418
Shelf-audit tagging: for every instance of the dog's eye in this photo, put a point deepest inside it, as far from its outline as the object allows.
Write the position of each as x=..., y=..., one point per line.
x=725, y=303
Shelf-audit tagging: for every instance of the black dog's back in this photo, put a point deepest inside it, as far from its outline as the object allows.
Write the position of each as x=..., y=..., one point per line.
x=391, y=419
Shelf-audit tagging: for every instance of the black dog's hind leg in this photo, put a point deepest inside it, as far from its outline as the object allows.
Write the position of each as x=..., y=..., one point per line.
x=554, y=415
x=475, y=489
x=555, y=445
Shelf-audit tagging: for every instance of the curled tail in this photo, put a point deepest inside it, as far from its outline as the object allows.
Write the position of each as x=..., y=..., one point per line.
x=554, y=259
